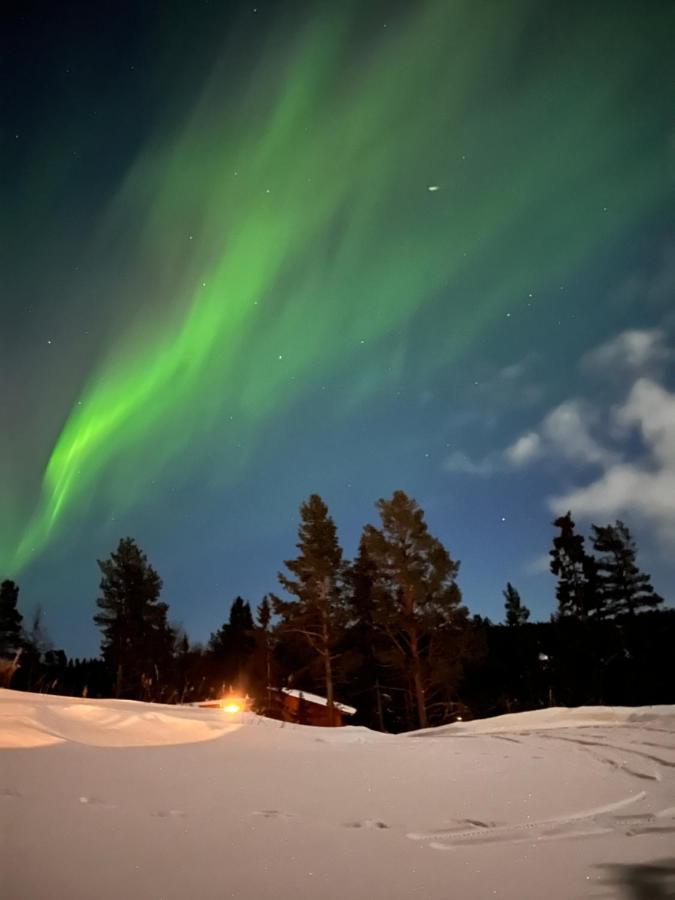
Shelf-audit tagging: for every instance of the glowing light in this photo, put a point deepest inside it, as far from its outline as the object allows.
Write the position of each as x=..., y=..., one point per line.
x=231, y=708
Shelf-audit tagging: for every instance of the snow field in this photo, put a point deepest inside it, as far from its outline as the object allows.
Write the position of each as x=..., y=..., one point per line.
x=109, y=799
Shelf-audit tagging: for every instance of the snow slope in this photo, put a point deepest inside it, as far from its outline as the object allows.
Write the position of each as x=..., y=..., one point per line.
x=110, y=799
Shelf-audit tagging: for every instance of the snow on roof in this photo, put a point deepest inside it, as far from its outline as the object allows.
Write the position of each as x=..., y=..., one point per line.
x=320, y=701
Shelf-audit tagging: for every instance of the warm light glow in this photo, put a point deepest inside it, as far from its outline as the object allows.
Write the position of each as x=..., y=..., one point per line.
x=232, y=708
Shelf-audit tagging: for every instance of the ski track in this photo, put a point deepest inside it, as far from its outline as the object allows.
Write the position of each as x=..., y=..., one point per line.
x=585, y=743
x=494, y=833
x=589, y=823
x=595, y=822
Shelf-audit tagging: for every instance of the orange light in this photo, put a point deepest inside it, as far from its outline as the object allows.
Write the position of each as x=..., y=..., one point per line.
x=231, y=708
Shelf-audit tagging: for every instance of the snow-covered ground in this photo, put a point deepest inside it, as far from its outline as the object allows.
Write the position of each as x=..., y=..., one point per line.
x=115, y=799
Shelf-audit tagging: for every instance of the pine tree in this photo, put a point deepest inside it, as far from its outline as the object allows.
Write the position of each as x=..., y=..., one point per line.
x=137, y=640
x=624, y=587
x=577, y=590
x=37, y=644
x=364, y=639
x=418, y=597
x=318, y=613
x=10, y=619
x=264, y=620
x=516, y=613
x=232, y=646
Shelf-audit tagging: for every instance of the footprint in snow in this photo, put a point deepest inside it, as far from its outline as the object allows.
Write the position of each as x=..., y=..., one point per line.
x=168, y=814
x=9, y=792
x=273, y=814
x=367, y=823
x=97, y=801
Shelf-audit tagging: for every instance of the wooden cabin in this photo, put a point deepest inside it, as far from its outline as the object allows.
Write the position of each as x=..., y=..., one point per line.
x=303, y=708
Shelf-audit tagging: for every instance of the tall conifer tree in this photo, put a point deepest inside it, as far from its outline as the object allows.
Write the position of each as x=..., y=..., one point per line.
x=418, y=597
x=10, y=619
x=577, y=590
x=365, y=639
x=319, y=611
x=233, y=645
x=516, y=613
x=624, y=587
x=137, y=640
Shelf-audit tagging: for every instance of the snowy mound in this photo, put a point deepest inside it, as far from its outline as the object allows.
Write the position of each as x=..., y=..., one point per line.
x=110, y=799
x=556, y=717
x=38, y=720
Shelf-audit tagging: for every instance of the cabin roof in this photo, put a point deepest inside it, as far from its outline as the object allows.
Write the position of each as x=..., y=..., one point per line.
x=315, y=698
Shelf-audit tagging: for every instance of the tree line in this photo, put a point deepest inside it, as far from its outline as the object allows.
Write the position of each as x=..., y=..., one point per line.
x=386, y=632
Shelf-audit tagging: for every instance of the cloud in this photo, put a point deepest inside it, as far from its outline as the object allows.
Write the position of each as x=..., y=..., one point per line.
x=569, y=432
x=525, y=449
x=644, y=489
x=634, y=350
x=565, y=432
x=539, y=565
x=459, y=462
x=636, y=479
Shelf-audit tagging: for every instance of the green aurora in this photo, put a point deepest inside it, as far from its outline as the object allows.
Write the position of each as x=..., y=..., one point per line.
x=301, y=216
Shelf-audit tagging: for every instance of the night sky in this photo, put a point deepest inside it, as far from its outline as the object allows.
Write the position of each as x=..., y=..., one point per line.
x=254, y=252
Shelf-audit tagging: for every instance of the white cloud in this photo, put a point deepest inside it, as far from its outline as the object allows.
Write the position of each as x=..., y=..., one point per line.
x=514, y=371
x=459, y=462
x=635, y=350
x=651, y=408
x=539, y=565
x=645, y=489
x=569, y=432
x=525, y=449
x=565, y=432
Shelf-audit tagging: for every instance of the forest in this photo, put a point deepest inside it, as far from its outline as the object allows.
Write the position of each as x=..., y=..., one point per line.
x=387, y=632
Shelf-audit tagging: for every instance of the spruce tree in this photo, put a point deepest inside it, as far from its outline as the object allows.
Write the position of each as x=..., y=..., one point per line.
x=418, y=597
x=10, y=619
x=318, y=613
x=137, y=640
x=232, y=646
x=364, y=639
x=577, y=591
x=624, y=587
x=516, y=613
x=264, y=621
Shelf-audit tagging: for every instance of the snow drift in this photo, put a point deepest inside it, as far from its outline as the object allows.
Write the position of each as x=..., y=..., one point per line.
x=109, y=799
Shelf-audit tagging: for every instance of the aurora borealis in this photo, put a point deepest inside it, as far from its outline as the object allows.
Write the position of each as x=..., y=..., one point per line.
x=336, y=247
